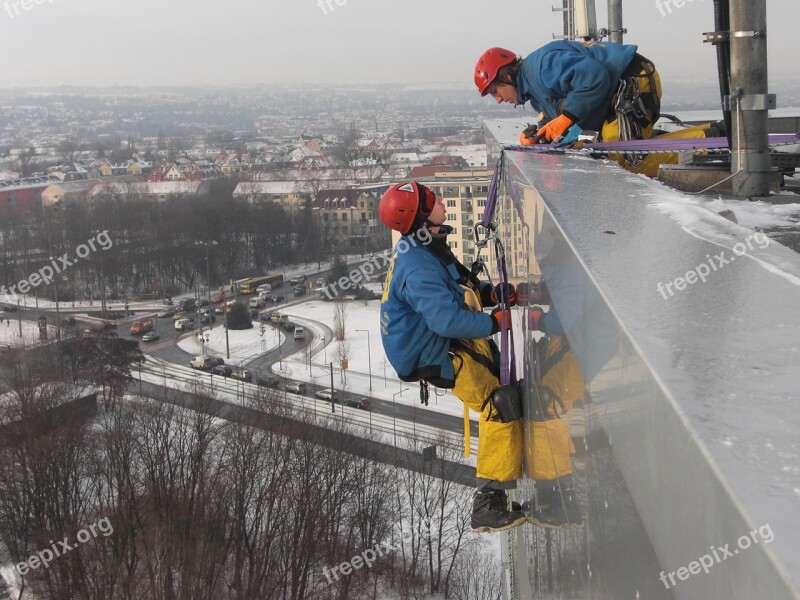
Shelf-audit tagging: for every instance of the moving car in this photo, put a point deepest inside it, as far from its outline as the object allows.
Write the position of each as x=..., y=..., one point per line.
x=223, y=370
x=270, y=381
x=207, y=318
x=327, y=394
x=201, y=362
x=265, y=316
x=216, y=360
x=242, y=374
x=278, y=298
x=299, y=290
x=150, y=336
x=361, y=403
x=296, y=387
x=297, y=279
x=184, y=324
x=167, y=312
x=299, y=333
x=141, y=326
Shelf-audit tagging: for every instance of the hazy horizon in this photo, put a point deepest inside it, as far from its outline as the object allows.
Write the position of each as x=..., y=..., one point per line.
x=311, y=43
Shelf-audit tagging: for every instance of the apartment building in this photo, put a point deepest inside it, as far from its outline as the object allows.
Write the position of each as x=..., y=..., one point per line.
x=464, y=194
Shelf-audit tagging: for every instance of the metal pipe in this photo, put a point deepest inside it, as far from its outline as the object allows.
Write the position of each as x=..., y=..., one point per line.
x=750, y=154
x=615, y=21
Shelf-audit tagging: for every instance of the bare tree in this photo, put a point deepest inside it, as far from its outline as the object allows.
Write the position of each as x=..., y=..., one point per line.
x=25, y=164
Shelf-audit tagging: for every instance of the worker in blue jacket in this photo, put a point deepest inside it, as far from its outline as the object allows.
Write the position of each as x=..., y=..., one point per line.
x=604, y=87
x=434, y=331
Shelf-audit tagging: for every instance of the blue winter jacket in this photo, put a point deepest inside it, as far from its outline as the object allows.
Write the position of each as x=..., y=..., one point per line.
x=422, y=309
x=573, y=77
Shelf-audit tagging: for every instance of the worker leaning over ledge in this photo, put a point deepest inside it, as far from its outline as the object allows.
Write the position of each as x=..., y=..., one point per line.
x=604, y=87
x=433, y=330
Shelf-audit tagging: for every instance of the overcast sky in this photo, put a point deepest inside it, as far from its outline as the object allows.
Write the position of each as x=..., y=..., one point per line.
x=197, y=42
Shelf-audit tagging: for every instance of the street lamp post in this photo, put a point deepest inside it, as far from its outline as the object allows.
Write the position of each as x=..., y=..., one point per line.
x=208, y=274
x=324, y=350
x=333, y=393
x=369, y=357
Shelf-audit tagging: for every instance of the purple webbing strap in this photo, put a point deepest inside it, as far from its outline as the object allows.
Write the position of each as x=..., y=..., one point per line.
x=491, y=196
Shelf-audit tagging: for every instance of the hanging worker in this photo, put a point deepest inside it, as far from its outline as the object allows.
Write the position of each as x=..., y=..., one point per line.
x=603, y=87
x=434, y=331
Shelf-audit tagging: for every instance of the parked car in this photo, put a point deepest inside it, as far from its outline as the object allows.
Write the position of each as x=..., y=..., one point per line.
x=187, y=304
x=296, y=387
x=328, y=395
x=167, y=312
x=361, y=403
x=278, y=298
x=201, y=362
x=184, y=324
x=223, y=370
x=150, y=336
x=216, y=360
x=270, y=381
x=242, y=374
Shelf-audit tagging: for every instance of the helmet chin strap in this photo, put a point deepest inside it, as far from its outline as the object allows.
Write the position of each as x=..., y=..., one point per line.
x=444, y=230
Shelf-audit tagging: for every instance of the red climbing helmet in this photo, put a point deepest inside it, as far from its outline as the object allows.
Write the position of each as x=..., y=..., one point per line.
x=489, y=64
x=403, y=203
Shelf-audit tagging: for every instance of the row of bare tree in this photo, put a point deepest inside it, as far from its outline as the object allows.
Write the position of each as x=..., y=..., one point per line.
x=204, y=508
x=155, y=244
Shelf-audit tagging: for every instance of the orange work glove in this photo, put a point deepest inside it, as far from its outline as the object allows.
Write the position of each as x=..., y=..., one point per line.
x=500, y=315
x=527, y=136
x=554, y=128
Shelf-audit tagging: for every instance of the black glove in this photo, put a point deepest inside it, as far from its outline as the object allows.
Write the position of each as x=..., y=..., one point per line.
x=510, y=293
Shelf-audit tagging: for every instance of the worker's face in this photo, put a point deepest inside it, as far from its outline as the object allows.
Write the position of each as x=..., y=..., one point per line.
x=439, y=213
x=504, y=92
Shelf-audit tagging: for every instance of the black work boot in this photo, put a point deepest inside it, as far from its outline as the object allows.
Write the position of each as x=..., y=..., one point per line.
x=490, y=511
x=553, y=509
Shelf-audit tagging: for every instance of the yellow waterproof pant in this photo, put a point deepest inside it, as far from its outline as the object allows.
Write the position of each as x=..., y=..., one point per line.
x=499, y=444
x=549, y=444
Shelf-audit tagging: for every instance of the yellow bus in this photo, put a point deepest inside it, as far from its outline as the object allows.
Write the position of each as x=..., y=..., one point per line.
x=249, y=286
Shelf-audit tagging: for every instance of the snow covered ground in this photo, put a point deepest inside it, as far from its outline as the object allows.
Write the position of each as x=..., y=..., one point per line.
x=245, y=344
x=10, y=331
